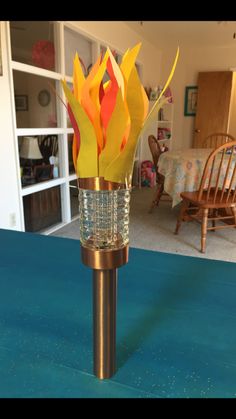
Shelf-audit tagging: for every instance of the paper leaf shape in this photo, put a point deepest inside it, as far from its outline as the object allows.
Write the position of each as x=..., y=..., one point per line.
x=114, y=135
x=76, y=138
x=78, y=78
x=128, y=61
x=117, y=72
x=87, y=161
x=109, y=99
x=120, y=169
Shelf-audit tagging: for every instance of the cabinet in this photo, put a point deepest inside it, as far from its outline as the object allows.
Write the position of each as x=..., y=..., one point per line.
x=42, y=209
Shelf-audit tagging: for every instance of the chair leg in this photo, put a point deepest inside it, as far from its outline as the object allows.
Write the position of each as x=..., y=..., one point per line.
x=204, y=229
x=234, y=214
x=157, y=197
x=183, y=208
x=213, y=221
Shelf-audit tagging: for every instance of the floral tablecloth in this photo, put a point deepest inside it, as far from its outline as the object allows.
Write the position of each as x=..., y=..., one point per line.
x=183, y=170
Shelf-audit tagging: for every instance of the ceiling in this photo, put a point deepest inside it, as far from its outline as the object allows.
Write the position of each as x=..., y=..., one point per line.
x=186, y=33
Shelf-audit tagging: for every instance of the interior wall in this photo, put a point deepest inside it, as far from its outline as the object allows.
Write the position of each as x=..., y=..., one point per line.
x=21, y=88
x=191, y=62
x=10, y=199
x=41, y=116
x=36, y=116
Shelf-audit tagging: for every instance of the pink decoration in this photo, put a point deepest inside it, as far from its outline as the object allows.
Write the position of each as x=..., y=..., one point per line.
x=43, y=54
x=148, y=174
x=168, y=93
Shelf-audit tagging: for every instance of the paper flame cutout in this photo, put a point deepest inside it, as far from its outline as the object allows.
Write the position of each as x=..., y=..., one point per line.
x=108, y=118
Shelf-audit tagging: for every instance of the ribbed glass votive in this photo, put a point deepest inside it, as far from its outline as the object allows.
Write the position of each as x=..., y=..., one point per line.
x=104, y=218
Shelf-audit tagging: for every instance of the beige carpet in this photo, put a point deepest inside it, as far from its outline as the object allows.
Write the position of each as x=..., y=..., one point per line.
x=155, y=231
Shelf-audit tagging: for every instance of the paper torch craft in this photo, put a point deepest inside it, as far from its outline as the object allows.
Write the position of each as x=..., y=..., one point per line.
x=109, y=118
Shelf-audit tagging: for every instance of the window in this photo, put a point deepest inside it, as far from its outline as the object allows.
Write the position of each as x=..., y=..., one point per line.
x=35, y=100
x=43, y=130
x=83, y=46
x=33, y=43
x=42, y=54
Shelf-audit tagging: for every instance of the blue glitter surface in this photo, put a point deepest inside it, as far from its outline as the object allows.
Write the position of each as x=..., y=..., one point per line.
x=175, y=323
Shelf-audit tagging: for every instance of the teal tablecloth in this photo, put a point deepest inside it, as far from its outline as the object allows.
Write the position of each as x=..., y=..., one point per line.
x=176, y=334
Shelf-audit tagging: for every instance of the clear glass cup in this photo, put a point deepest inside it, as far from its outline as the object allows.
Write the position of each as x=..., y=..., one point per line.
x=104, y=218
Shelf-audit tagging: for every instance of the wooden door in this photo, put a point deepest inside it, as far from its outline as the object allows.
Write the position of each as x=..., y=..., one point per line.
x=213, y=104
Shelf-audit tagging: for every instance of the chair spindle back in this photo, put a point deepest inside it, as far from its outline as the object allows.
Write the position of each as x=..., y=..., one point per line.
x=219, y=175
x=155, y=149
x=217, y=139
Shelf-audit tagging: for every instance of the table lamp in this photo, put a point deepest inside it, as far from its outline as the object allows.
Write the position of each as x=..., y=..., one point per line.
x=30, y=150
x=108, y=119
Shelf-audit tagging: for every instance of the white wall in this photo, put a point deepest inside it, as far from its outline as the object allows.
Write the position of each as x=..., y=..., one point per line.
x=40, y=116
x=192, y=61
x=9, y=186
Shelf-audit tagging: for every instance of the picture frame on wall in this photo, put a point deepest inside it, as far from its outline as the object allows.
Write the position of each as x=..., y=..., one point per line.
x=190, y=101
x=43, y=172
x=21, y=102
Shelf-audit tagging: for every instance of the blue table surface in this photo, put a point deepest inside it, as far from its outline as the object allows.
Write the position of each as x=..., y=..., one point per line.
x=175, y=324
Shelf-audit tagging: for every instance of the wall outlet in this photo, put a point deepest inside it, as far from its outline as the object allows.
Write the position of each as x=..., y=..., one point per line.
x=12, y=218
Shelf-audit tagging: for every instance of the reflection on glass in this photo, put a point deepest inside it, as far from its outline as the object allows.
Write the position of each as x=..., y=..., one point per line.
x=39, y=159
x=74, y=202
x=35, y=101
x=32, y=42
x=42, y=209
x=74, y=42
x=70, y=156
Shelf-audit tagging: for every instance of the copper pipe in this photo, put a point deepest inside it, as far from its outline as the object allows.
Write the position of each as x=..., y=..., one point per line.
x=104, y=322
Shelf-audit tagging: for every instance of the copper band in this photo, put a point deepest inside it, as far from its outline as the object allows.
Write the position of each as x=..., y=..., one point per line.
x=104, y=259
x=99, y=184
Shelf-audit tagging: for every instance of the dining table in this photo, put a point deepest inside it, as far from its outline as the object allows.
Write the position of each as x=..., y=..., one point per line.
x=182, y=169
x=175, y=323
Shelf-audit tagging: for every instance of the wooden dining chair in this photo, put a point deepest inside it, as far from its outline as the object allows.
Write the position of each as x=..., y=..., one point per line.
x=49, y=147
x=216, y=140
x=216, y=198
x=156, y=152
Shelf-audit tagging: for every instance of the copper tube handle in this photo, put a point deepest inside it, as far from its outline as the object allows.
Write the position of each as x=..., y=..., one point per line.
x=104, y=322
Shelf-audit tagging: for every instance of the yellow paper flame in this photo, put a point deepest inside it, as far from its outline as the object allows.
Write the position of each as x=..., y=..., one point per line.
x=110, y=116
